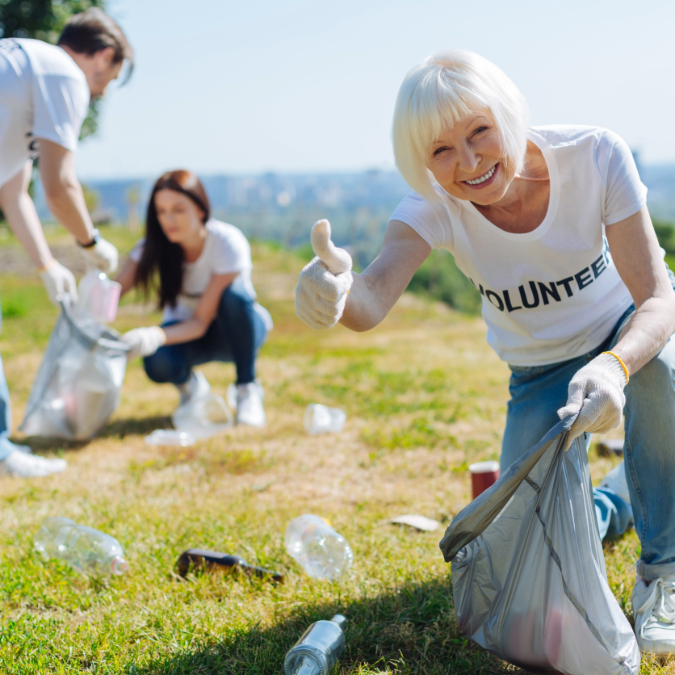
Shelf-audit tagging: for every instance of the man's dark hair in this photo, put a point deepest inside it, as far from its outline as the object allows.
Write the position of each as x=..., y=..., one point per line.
x=93, y=30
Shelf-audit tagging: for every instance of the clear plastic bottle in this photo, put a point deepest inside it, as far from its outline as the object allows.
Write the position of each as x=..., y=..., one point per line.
x=82, y=547
x=99, y=296
x=318, y=548
x=318, y=650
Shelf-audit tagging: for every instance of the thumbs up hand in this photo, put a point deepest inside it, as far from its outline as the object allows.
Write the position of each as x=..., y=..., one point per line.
x=324, y=284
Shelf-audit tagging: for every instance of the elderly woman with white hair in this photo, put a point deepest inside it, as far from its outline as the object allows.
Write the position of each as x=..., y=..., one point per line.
x=550, y=224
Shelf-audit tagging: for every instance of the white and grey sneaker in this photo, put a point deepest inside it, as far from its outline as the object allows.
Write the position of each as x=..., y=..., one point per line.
x=654, y=611
x=195, y=388
x=250, y=409
x=22, y=465
x=231, y=395
x=616, y=481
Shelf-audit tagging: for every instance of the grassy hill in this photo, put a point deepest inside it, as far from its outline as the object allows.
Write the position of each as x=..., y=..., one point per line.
x=424, y=397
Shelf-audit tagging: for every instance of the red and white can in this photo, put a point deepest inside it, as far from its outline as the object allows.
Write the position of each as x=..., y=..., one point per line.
x=483, y=475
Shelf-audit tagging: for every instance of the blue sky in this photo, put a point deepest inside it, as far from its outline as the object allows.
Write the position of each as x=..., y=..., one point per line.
x=302, y=85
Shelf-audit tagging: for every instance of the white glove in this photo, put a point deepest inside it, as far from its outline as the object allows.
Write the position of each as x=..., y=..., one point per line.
x=144, y=341
x=596, y=394
x=59, y=281
x=101, y=256
x=324, y=284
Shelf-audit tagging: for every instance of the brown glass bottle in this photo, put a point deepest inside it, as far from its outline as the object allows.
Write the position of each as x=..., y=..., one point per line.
x=212, y=561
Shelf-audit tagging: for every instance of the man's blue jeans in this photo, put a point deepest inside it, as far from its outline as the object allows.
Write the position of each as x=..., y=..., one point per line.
x=6, y=447
x=235, y=335
x=649, y=448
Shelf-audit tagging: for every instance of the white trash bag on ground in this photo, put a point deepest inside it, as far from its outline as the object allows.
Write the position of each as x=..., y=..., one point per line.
x=528, y=572
x=77, y=386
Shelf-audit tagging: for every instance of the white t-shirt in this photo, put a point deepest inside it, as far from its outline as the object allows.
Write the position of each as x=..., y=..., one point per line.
x=552, y=294
x=226, y=250
x=43, y=94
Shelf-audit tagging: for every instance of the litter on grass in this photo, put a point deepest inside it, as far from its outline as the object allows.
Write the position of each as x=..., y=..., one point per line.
x=170, y=437
x=320, y=419
x=417, y=522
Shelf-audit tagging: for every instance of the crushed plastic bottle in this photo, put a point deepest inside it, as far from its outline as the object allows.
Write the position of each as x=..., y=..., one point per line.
x=204, y=417
x=320, y=419
x=99, y=296
x=318, y=548
x=318, y=650
x=82, y=547
x=170, y=437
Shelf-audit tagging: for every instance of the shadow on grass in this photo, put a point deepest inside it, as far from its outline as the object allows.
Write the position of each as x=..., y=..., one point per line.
x=408, y=630
x=119, y=428
x=39, y=444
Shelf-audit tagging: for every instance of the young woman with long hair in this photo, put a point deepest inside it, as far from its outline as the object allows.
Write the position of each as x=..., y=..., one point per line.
x=200, y=269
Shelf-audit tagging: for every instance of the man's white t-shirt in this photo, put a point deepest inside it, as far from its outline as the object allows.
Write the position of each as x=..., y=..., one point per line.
x=226, y=250
x=554, y=293
x=43, y=94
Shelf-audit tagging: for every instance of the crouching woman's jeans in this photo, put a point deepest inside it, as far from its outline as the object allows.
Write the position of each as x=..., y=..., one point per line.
x=649, y=448
x=235, y=335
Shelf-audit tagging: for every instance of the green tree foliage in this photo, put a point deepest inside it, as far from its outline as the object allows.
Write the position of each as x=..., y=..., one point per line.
x=440, y=277
x=44, y=20
x=665, y=232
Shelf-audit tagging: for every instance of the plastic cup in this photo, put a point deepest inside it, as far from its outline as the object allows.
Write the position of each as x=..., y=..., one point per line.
x=483, y=475
x=320, y=419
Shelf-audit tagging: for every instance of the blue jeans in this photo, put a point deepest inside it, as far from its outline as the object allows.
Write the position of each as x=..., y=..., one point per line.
x=649, y=449
x=235, y=335
x=6, y=446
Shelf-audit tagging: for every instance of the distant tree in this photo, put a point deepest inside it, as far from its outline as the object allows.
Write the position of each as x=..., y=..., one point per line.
x=44, y=20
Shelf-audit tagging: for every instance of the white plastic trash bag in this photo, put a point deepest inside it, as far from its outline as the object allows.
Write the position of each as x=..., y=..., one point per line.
x=77, y=386
x=528, y=572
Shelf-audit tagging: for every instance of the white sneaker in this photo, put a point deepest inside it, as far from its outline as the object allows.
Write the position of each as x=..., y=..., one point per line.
x=231, y=395
x=195, y=388
x=23, y=465
x=249, y=405
x=615, y=480
x=654, y=611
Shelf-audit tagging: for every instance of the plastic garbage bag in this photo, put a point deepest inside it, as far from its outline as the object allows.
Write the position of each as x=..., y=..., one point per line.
x=78, y=383
x=528, y=572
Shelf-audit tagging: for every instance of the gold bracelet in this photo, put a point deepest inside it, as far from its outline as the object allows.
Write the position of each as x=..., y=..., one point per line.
x=47, y=266
x=623, y=365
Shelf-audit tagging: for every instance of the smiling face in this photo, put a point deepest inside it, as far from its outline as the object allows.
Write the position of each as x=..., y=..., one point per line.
x=469, y=162
x=179, y=217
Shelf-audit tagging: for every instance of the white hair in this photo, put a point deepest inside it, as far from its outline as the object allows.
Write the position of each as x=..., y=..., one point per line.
x=437, y=93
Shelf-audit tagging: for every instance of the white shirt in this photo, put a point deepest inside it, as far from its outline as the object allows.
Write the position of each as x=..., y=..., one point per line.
x=226, y=250
x=43, y=94
x=554, y=293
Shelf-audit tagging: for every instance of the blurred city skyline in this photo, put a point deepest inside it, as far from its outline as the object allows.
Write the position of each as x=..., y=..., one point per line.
x=308, y=86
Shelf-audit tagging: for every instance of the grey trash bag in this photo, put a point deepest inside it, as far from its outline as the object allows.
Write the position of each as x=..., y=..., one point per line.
x=528, y=572
x=78, y=383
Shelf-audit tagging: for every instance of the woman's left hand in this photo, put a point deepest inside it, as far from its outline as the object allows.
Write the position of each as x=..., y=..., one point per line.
x=144, y=341
x=596, y=395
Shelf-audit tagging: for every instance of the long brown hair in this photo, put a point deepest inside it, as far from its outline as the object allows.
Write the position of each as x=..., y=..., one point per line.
x=160, y=256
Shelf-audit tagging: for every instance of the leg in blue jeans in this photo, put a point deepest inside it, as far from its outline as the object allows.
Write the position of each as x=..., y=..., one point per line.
x=5, y=417
x=649, y=451
x=537, y=392
x=235, y=335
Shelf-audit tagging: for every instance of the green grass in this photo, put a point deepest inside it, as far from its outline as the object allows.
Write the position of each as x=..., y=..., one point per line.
x=424, y=397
